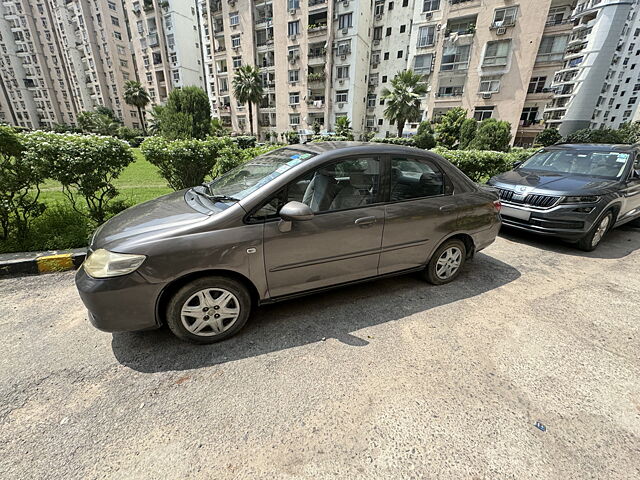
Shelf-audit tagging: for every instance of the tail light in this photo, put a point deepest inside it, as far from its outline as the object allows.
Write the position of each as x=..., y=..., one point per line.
x=497, y=205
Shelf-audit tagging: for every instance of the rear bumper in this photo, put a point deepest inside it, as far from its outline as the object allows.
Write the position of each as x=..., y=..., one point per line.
x=563, y=221
x=119, y=304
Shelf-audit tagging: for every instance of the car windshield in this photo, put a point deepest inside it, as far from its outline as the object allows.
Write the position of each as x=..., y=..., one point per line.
x=238, y=183
x=579, y=162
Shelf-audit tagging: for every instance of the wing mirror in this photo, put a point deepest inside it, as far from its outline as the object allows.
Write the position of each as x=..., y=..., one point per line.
x=294, y=212
x=516, y=165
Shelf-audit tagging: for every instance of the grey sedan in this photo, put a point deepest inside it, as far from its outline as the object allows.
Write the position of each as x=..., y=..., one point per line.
x=297, y=220
x=574, y=192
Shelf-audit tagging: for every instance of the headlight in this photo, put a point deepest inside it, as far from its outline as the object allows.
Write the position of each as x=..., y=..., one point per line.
x=103, y=263
x=581, y=199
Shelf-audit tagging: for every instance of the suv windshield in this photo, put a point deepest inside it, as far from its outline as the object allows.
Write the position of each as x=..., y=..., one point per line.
x=578, y=162
x=248, y=177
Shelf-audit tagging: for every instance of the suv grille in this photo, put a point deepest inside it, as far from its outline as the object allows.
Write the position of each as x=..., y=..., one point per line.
x=540, y=201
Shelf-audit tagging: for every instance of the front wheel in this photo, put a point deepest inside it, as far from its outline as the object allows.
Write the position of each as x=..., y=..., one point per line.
x=446, y=263
x=591, y=240
x=209, y=309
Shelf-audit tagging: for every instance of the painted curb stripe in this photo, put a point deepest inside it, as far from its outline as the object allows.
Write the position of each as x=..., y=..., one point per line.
x=55, y=263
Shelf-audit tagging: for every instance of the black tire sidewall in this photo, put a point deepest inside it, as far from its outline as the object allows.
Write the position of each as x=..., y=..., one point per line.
x=430, y=271
x=585, y=243
x=174, y=307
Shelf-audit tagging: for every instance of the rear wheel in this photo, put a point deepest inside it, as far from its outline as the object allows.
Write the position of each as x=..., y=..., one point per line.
x=209, y=309
x=591, y=240
x=446, y=263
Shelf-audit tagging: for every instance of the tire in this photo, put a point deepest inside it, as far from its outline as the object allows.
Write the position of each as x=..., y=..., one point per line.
x=191, y=312
x=457, y=253
x=591, y=240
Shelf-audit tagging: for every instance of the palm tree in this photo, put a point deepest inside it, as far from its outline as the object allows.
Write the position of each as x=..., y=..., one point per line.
x=136, y=95
x=247, y=88
x=403, y=100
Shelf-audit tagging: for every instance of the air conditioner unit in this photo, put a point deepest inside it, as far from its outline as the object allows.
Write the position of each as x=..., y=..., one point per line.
x=345, y=31
x=501, y=31
x=340, y=81
x=487, y=95
x=378, y=17
x=375, y=65
x=428, y=15
x=231, y=2
x=376, y=42
x=345, y=3
x=343, y=57
x=293, y=37
x=292, y=11
x=340, y=105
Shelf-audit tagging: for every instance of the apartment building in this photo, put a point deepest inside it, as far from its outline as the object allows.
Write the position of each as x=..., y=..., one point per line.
x=494, y=58
x=166, y=44
x=587, y=90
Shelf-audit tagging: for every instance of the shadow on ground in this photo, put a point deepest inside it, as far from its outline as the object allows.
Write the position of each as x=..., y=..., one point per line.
x=336, y=314
x=618, y=243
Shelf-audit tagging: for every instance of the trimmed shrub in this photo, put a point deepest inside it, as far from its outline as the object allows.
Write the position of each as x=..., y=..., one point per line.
x=468, y=132
x=424, y=136
x=329, y=138
x=407, y=142
x=292, y=137
x=448, y=127
x=244, y=141
x=186, y=115
x=547, y=137
x=20, y=178
x=492, y=134
x=606, y=135
x=480, y=165
x=85, y=165
x=132, y=136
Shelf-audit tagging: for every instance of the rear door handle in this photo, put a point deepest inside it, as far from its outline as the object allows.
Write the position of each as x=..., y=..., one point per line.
x=448, y=208
x=365, y=221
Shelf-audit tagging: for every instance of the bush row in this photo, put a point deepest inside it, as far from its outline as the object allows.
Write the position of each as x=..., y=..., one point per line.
x=480, y=165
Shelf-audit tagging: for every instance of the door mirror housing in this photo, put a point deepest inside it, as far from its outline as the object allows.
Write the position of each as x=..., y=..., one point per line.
x=296, y=212
x=516, y=165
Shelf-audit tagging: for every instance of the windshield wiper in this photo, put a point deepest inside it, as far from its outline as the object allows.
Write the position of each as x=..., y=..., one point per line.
x=212, y=196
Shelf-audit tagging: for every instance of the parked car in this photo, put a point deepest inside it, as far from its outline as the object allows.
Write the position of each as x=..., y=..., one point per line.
x=297, y=220
x=575, y=192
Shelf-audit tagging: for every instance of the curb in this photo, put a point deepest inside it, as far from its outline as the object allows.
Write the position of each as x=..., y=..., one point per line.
x=40, y=262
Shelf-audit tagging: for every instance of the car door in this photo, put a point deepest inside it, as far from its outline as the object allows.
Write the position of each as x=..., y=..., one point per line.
x=341, y=243
x=631, y=192
x=421, y=211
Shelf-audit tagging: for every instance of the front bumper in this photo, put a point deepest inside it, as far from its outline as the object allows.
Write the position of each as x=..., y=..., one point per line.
x=119, y=304
x=563, y=221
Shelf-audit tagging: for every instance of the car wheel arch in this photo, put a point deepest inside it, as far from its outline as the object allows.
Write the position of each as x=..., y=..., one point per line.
x=171, y=288
x=464, y=238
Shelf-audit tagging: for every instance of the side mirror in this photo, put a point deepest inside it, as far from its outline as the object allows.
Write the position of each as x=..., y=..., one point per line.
x=516, y=165
x=296, y=212
x=293, y=212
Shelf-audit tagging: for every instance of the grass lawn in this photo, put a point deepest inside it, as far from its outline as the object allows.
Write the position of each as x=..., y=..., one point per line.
x=138, y=183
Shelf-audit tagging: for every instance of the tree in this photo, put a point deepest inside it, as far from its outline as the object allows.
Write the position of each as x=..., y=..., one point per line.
x=547, y=137
x=448, y=127
x=493, y=135
x=218, y=129
x=137, y=96
x=343, y=127
x=316, y=127
x=101, y=122
x=187, y=114
x=153, y=127
x=403, y=100
x=467, y=132
x=424, y=137
x=605, y=135
x=247, y=88
x=630, y=132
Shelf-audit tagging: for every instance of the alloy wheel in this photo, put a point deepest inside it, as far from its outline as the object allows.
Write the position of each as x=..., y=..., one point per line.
x=448, y=263
x=210, y=312
x=601, y=230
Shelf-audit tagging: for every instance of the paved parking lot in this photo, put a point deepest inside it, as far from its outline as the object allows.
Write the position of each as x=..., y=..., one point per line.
x=391, y=379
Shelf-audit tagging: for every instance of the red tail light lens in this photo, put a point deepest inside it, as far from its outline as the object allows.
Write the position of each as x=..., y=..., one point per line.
x=497, y=205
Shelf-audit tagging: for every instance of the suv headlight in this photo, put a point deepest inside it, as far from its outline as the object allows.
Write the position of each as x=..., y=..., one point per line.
x=104, y=264
x=581, y=199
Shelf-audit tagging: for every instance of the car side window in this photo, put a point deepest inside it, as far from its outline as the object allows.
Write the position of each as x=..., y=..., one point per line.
x=415, y=178
x=270, y=209
x=341, y=185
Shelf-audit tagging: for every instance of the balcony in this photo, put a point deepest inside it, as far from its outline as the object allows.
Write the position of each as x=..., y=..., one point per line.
x=316, y=77
x=316, y=3
x=318, y=29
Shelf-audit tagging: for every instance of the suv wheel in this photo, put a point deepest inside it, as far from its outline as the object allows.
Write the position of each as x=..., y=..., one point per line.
x=591, y=240
x=446, y=263
x=209, y=309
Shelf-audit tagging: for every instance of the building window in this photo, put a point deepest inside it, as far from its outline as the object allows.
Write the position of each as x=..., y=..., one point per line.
x=121, y=50
x=489, y=84
x=455, y=58
x=294, y=98
x=237, y=62
x=426, y=36
x=422, y=64
x=388, y=32
x=293, y=4
x=505, y=17
x=403, y=28
x=173, y=57
x=342, y=72
x=294, y=75
x=430, y=5
x=344, y=47
x=552, y=49
x=168, y=22
x=345, y=20
x=370, y=122
x=453, y=91
x=386, y=55
x=536, y=85
x=482, y=113
x=149, y=77
x=375, y=57
x=400, y=53
x=377, y=33
x=379, y=8
x=235, y=41
x=294, y=119
x=371, y=100
x=384, y=79
x=497, y=53
x=342, y=96
x=115, y=21
x=556, y=15
x=234, y=18
x=294, y=28
x=529, y=116
x=112, y=5
x=117, y=35
x=176, y=75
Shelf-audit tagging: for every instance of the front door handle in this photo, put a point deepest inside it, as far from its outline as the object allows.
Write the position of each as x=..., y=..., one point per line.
x=365, y=221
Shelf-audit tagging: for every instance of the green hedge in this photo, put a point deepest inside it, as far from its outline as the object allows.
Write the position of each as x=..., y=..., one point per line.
x=480, y=165
x=244, y=141
x=329, y=138
x=407, y=142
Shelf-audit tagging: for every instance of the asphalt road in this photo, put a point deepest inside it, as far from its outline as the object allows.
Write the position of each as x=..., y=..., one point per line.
x=392, y=379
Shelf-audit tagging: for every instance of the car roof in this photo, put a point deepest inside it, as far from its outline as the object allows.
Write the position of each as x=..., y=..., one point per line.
x=598, y=147
x=347, y=148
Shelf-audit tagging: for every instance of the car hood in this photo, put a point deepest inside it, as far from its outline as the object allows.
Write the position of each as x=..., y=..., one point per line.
x=147, y=220
x=552, y=183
